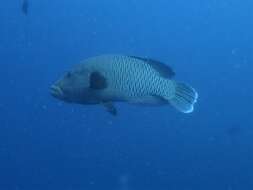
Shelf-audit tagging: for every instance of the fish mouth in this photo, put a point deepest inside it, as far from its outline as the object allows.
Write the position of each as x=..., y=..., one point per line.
x=56, y=91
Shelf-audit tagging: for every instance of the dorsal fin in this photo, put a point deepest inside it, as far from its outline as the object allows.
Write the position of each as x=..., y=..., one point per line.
x=164, y=70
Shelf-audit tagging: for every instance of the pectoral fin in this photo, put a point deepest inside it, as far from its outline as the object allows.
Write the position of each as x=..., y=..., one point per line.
x=110, y=108
x=97, y=81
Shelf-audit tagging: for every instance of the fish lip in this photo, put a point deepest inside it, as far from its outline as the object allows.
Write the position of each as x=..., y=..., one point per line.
x=56, y=91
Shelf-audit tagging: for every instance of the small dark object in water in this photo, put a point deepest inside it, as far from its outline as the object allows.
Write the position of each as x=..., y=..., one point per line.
x=25, y=6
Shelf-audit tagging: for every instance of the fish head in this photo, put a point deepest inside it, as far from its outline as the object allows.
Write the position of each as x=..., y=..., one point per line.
x=73, y=87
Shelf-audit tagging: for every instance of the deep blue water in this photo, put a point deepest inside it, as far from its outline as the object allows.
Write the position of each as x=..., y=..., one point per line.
x=46, y=144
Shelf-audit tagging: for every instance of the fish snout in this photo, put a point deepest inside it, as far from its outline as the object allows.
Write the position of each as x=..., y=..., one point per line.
x=56, y=91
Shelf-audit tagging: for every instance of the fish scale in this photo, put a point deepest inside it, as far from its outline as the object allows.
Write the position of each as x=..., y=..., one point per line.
x=134, y=80
x=138, y=81
x=128, y=76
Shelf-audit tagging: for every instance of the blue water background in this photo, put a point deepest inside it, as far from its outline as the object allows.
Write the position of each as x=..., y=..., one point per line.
x=46, y=144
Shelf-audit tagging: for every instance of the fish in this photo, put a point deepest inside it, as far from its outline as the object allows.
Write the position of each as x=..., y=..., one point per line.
x=111, y=78
x=25, y=7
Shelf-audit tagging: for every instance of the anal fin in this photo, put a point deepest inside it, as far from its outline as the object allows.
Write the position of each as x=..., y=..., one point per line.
x=152, y=100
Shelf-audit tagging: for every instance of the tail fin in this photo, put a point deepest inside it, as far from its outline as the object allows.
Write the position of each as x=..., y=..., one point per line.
x=185, y=98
